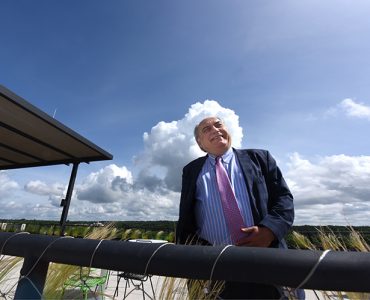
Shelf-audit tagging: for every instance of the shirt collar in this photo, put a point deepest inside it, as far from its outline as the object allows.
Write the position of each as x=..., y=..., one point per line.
x=226, y=157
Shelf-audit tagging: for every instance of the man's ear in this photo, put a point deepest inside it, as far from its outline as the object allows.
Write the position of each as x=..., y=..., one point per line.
x=200, y=145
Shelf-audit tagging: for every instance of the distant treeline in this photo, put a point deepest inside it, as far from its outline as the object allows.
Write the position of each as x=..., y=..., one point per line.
x=171, y=225
x=311, y=232
x=167, y=226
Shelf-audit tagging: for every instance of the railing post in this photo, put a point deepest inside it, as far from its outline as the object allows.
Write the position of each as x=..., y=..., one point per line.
x=32, y=279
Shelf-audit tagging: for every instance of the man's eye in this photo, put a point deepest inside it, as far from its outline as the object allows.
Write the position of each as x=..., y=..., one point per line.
x=205, y=129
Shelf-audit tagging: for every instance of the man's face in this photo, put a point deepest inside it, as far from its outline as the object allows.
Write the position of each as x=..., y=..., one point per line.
x=213, y=136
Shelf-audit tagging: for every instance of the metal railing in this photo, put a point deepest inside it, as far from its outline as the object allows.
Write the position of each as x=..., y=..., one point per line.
x=334, y=270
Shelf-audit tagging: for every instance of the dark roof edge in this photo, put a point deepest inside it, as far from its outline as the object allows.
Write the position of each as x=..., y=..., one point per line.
x=53, y=122
x=53, y=163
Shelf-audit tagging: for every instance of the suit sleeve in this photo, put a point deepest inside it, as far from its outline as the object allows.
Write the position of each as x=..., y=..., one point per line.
x=185, y=225
x=280, y=208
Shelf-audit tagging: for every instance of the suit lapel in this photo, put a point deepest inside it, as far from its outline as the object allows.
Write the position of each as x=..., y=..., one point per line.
x=249, y=174
x=246, y=165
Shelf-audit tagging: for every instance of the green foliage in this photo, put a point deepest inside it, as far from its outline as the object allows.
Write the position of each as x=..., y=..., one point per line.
x=160, y=235
x=79, y=231
x=127, y=234
x=44, y=229
x=10, y=228
x=57, y=230
x=68, y=231
x=50, y=230
x=59, y=273
x=340, y=236
x=33, y=228
x=137, y=234
x=113, y=233
x=148, y=234
x=357, y=242
x=171, y=237
x=167, y=226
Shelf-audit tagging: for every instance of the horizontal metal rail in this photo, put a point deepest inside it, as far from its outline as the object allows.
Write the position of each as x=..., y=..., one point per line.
x=334, y=271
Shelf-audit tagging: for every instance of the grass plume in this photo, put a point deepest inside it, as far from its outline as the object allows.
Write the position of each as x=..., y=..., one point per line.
x=180, y=288
x=59, y=273
x=331, y=241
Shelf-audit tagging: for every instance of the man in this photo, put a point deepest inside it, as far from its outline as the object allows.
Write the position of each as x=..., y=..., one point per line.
x=264, y=201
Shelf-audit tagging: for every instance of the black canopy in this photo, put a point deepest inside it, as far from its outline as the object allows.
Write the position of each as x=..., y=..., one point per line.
x=30, y=137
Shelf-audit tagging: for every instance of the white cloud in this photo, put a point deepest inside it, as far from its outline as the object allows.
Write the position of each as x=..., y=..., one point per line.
x=17, y=203
x=55, y=191
x=350, y=108
x=106, y=185
x=356, y=110
x=116, y=196
x=333, y=190
x=41, y=188
x=170, y=146
x=154, y=193
x=31, y=209
x=328, y=190
x=6, y=184
x=113, y=192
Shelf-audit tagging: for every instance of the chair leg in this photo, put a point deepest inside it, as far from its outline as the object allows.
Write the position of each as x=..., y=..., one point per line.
x=101, y=290
x=139, y=286
x=116, y=290
x=151, y=284
x=142, y=288
x=84, y=294
x=124, y=296
x=106, y=284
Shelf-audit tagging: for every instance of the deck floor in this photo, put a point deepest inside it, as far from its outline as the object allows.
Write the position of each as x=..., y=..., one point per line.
x=179, y=291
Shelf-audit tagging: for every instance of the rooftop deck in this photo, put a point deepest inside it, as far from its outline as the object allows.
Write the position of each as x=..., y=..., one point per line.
x=132, y=292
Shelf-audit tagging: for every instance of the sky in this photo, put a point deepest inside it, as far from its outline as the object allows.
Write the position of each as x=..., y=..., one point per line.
x=134, y=77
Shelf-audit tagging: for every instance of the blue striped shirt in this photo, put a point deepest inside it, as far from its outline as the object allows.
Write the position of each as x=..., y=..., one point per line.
x=208, y=209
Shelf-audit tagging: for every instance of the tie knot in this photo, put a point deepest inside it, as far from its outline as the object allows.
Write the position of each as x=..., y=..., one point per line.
x=218, y=159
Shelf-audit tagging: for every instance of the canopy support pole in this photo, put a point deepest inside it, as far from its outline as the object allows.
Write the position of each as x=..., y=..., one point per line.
x=66, y=202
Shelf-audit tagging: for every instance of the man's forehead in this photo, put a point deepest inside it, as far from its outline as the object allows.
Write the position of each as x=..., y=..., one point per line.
x=209, y=121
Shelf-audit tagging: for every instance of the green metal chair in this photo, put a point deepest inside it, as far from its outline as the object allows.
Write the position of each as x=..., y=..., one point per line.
x=87, y=280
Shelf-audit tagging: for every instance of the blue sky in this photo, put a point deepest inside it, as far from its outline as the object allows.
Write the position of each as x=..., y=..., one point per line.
x=134, y=77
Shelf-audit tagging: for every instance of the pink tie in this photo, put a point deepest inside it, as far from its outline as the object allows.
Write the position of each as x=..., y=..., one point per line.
x=234, y=219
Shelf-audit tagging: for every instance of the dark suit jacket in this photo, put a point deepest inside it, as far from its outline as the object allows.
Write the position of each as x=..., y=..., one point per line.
x=270, y=197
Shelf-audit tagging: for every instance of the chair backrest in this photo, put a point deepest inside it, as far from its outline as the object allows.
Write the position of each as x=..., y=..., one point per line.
x=86, y=272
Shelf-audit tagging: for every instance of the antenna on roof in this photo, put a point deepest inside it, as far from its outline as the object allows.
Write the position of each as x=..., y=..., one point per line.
x=55, y=112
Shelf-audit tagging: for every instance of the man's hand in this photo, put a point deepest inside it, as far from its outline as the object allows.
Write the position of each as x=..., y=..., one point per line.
x=257, y=237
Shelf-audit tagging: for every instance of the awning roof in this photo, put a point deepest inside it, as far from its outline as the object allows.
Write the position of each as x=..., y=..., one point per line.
x=30, y=137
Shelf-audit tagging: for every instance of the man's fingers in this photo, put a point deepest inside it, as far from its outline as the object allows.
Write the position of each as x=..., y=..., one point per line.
x=249, y=229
